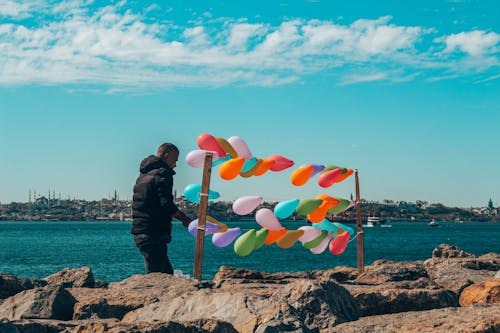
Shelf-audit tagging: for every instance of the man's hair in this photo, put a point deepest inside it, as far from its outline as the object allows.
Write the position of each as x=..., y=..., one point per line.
x=166, y=148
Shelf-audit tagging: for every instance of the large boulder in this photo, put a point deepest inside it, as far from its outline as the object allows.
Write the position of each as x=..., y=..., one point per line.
x=127, y=295
x=487, y=292
x=477, y=319
x=382, y=271
x=51, y=302
x=450, y=251
x=72, y=277
x=11, y=284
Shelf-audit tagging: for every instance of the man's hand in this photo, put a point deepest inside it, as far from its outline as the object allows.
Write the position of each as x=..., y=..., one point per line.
x=178, y=215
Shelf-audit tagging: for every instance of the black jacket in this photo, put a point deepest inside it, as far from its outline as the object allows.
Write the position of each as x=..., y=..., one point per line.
x=153, y=203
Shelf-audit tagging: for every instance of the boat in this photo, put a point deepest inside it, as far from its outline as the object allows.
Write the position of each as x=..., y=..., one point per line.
x=433, y=223
x=372, y=221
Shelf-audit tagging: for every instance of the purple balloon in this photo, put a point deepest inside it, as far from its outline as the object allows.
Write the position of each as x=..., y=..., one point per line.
x=317, y=168
x=210, y=228
x=222, y=239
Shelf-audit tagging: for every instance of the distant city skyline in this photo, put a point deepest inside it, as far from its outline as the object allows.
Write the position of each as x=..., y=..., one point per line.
x=406, y=92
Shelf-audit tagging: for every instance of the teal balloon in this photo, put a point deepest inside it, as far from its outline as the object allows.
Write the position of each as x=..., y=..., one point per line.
x=260, y=237
x=344, y=227
x=341, y=206
x=221, y=160
x=245, y=244
x=192, y=193
x=315, y=242
x=307, y=206
x=249, y=164
x=285, y=208
x=326, y=225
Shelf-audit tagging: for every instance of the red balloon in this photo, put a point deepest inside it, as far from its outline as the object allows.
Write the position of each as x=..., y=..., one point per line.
x=208, y=142
x=339, y=243
x=327, y=178
x=280, y=163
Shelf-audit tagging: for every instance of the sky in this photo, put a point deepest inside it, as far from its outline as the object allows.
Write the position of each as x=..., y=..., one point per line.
x=406, y=92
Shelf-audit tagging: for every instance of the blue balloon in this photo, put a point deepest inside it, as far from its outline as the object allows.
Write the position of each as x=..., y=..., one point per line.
x=285, y=208
x=192, y=193
x=326, y=225
x=249, y=164
x=346, y=228
x=221, y=160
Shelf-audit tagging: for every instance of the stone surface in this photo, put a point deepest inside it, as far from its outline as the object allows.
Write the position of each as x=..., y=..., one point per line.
x=51, y=302
x=487, y=292
x=72, y=277
x=11, y=284
x=477, y=319
x=450, y=251
x=382, y=271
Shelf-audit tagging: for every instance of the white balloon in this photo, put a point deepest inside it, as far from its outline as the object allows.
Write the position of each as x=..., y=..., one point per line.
x=310, y=233
x=246, y=205
x=196, y=158
x=266, y=218
x=240, y=146
x=323, y=245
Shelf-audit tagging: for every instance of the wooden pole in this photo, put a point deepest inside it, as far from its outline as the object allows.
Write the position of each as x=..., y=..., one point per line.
x=359, y=229
x=202, y=217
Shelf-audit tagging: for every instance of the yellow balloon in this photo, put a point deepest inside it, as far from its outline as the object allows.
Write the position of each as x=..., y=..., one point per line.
x=222, y=226
x=287, y=240
x=227, y=147
x=252, y=170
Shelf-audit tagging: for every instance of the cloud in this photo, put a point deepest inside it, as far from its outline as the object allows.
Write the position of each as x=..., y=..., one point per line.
x=77, y=43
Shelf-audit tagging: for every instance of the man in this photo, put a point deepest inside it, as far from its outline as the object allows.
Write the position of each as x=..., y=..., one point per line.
x=153, y=208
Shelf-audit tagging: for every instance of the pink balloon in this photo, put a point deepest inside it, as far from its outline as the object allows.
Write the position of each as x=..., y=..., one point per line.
x=266, y=218
x=246, y=205
x=310, y=233
x=339, y=243
x=196, y=158
x=323, y=245
x=222, y=239
x=280, y=163
x=327, y=178
x=240, y=146
x=208, y=142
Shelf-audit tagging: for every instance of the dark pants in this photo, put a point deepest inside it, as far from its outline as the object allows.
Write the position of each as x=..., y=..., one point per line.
x=154, y=250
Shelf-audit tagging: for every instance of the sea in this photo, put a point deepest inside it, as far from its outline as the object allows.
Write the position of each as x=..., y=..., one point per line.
x=38, y=249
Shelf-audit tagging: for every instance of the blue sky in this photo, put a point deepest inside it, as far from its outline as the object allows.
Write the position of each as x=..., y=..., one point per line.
x=407, y=92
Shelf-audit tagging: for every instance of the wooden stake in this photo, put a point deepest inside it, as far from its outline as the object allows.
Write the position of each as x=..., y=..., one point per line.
x=359, y=229
x=202, y=217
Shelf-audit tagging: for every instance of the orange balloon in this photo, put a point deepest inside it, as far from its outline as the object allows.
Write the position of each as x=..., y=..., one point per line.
x=344, y=175
x=252, y=170
x=319, y=213
x=289, y=238
x=227, y=147
x=266, y=165
x=272, y=236
x=326, y=197
x=301, y=175
x=230, y=169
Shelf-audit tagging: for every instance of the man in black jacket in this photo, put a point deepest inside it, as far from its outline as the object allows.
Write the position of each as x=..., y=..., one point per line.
x=153, y=208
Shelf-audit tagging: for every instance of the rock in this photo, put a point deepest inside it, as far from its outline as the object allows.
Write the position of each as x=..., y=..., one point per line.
x=450, y=251
x=477, y=319
x=127, y=295
x=51, y=302
x=497, y=275
x=487, y=292
x=382, y=271
x=72, y=277
x=11, y=284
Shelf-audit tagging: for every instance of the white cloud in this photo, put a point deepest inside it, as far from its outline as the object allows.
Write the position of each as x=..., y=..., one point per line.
x=475, y=43
x=360, y=78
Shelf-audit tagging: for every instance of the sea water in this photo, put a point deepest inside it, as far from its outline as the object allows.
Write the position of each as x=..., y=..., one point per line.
x=38, y=249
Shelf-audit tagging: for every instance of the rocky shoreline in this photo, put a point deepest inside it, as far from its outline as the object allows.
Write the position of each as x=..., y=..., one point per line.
x=453, y=291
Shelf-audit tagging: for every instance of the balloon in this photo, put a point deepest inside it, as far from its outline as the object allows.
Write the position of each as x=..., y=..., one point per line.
x=222, y=226
x=230, y=169
x=272, y=236
x=339, y=243
x=210, y=228
x=266, y=165
x=208, y=142
x=352, y=203
x=240, y=146
x=289, y=238
x=343, y=228
x=266, y=218
x=246, y=205
x=285, y=209
x=315, y=242
x=245, y=244
x=192, y=193
x=196, y=158
x=307, y=206
x=340, y=207
x=326, y=225
x=326, y=197
x=227, y=147
x=280, y=163
x=253, y=169
x=317, y=168
x=248, y=164
x=310, y=233
x=320, y=213
x=223, y=239
x=326, y=179
x=331, y=167
x=300, y=176
x=323, y=245
x=260, y=238
x=221, y=160
x=344, y=175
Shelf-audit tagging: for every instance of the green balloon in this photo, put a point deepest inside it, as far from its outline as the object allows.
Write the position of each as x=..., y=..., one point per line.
x=307, y=206
x=342, y=205
x=329, y=167
x=245, y=244
x=260, y=237
x=316, y=241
